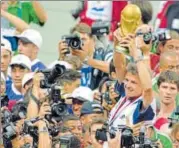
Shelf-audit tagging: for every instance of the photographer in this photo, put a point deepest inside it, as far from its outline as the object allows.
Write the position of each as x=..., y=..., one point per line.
x=79, y=96
x=92, y=58
x=170, y=45
x=73, y=123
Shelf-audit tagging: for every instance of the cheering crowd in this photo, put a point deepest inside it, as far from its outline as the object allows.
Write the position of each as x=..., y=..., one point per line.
x=115, y=83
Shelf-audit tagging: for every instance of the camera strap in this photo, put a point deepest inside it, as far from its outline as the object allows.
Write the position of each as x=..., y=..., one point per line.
x=34, y=98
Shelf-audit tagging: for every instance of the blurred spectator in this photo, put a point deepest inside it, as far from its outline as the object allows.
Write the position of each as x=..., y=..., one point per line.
x=27, y=82
x=29, y=11
x=29, y=44
x=167, y=16
x=175, y=135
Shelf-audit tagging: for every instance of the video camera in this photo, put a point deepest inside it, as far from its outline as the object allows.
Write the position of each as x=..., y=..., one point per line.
x=73, y=41
x=58, y=106
x=51, y=75
x=100, y=28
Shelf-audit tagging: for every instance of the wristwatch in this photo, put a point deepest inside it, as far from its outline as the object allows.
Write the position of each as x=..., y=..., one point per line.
x=43, y=129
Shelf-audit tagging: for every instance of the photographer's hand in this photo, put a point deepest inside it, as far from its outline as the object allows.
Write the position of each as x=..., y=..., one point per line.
x=45, y=109
x=82, y=54
x=136, y=127
x=112, y=94
x=63, y=49
x=36, y=90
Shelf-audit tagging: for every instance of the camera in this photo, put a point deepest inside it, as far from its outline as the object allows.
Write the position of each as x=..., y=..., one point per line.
x=156, y=37
x=100, y=28
x=58, y=106
x=29, y=128
x=4, y=101
x=101, y=133
x=19, y=111
x=51, y=75
x=105, y=96
x=73, y=41
x=69, y=141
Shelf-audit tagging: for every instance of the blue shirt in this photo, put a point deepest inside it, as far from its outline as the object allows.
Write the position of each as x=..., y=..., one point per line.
x=37, y=65
x=91, y=77
x=13, y=93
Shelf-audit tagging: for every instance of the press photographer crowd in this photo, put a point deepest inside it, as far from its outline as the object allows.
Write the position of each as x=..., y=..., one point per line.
x=115, y=83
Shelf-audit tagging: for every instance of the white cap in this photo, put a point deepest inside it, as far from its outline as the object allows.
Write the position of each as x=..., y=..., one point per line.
x=83, y=93
x=64, y=63
x=31, y=36
x=22, y=60
x=5, y=44
x=27, y=77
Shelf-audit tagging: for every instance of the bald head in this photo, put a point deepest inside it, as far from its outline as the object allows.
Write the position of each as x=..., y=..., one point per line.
x=169, y=61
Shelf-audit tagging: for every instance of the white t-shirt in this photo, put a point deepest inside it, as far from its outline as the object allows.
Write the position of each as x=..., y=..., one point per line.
x=99, y=10
x=131, y=109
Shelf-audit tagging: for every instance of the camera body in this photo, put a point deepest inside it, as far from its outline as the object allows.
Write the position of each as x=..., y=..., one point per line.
x=68, y=141
x=73, y=41
x=51, y=75
x=100, y=28
x=4, y=101
x=156, y=37
x=105, y=96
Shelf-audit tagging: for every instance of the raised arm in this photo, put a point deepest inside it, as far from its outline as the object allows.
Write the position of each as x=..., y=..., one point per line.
x=40, y=12
x=19, y=24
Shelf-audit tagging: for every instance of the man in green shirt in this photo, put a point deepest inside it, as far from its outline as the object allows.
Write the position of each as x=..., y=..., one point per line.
x=30, y=11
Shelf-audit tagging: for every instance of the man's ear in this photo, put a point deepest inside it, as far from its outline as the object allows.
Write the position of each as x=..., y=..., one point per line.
x=82, y=118
x=160, y=48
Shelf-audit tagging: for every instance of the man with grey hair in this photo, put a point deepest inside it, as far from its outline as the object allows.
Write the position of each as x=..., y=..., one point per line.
x=136, y=105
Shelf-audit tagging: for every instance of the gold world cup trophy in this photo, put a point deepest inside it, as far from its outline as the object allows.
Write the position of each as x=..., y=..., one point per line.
x=130, y=20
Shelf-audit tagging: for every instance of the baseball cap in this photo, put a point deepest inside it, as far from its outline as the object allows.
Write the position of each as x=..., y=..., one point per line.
x=83, y=94
x=5, y=44
x=31, y=36
x=64, y=63
x=27, y=77
x=82, y=28
x=22, y=60
x=91, y=107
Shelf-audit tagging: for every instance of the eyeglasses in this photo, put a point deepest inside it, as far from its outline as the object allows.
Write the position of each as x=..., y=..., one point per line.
x=173, y=67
